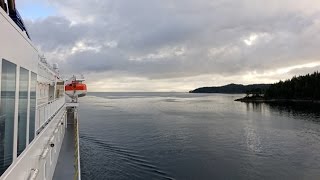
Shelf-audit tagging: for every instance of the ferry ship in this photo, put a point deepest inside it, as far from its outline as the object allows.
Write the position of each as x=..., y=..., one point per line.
x=38, y=114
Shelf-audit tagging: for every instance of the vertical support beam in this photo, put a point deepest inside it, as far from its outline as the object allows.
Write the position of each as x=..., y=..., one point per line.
x=16, y=113
x=28, y=110
x=0, y=78
x=55, y=88
x=78, y=148
x=66, y=119
x=11, y=6
x=3, y=5
x=36, y=108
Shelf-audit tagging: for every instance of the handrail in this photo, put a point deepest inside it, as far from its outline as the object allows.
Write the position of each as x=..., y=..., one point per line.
x=77, y=153
x=46, y=111
x=43, y=98
x=49, y=102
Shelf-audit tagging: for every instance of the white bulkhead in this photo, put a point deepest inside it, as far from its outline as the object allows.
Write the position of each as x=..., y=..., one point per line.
x=32, y=111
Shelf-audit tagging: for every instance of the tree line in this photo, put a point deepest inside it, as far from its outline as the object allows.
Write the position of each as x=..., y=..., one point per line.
x=301, y=87
x=232, y=89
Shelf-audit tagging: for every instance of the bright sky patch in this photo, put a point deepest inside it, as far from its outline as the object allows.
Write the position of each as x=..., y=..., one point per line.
x=250, y=41
x=36, y=10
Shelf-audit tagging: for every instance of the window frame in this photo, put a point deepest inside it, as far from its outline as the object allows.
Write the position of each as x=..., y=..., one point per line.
x=28, y=109
x=35, y=107
x=15, y=116
x=16, y=106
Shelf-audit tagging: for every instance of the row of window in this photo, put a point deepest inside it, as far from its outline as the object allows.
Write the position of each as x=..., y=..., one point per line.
x=26, y=108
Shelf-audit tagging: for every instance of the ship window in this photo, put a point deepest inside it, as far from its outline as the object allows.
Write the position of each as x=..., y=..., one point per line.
x=8, y=88
x=23, y=109
x=32, y=119
x=59, y=90
x=51, y=93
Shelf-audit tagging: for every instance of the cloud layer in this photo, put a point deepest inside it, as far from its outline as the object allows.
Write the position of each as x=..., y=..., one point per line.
x=178, y=45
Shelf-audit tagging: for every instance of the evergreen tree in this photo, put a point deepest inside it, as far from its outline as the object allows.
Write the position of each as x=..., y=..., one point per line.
x=302, y=87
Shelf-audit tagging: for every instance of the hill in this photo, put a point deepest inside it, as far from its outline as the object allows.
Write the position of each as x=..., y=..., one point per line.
x=232, y=88
x=305, y=87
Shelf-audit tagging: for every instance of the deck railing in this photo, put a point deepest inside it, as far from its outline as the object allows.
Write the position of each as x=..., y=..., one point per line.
x=39, y=159
x=77, y=175
x=46, y=111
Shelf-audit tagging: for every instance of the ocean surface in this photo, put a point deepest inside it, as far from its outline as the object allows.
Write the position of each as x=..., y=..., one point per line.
x=185, y=136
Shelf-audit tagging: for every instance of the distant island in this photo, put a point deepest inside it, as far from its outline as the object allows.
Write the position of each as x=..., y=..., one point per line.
x=233, y=89
x=298, y=89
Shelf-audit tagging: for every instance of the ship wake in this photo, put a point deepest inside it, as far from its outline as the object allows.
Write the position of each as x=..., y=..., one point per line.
x=129, y=157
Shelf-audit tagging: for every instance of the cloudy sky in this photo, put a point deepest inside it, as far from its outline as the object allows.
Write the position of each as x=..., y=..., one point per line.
x=176, y=45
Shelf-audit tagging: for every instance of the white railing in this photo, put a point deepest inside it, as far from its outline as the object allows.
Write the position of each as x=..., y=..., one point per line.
x=42, y=100
x=39, y=159
x=46, y=111
x=77, y=153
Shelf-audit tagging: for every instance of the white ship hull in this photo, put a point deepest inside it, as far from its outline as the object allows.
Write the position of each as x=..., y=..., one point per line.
x=34, y=113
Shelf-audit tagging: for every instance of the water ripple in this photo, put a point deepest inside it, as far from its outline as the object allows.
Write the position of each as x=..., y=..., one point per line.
x=131, y=158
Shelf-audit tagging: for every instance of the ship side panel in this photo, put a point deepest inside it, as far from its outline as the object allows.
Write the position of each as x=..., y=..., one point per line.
x=39, y=157
x=15, y=46
x=17, y=49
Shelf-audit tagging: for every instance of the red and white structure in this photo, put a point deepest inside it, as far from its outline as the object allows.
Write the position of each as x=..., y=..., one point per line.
x=75, y=88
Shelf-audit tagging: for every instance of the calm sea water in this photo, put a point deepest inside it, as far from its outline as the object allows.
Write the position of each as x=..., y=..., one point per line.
x=195, y=136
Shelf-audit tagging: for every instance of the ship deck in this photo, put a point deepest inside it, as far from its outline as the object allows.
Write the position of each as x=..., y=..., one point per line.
x=65, y=168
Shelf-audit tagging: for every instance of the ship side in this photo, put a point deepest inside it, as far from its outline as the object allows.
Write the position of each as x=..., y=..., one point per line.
x=38, y=127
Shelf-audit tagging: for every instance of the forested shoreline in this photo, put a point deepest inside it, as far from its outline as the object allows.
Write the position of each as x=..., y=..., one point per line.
x=302, y=87
x=297, y=89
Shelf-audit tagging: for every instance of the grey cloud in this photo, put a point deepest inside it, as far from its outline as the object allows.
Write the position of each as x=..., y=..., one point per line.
x=303, y=71
x=292, y=36
x=55, y=32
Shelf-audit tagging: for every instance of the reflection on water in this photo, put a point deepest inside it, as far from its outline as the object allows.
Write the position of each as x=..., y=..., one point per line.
x=298, y=110
x=193, y=136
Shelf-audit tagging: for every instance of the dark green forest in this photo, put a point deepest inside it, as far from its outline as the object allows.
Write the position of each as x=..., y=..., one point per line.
x=302, y=87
